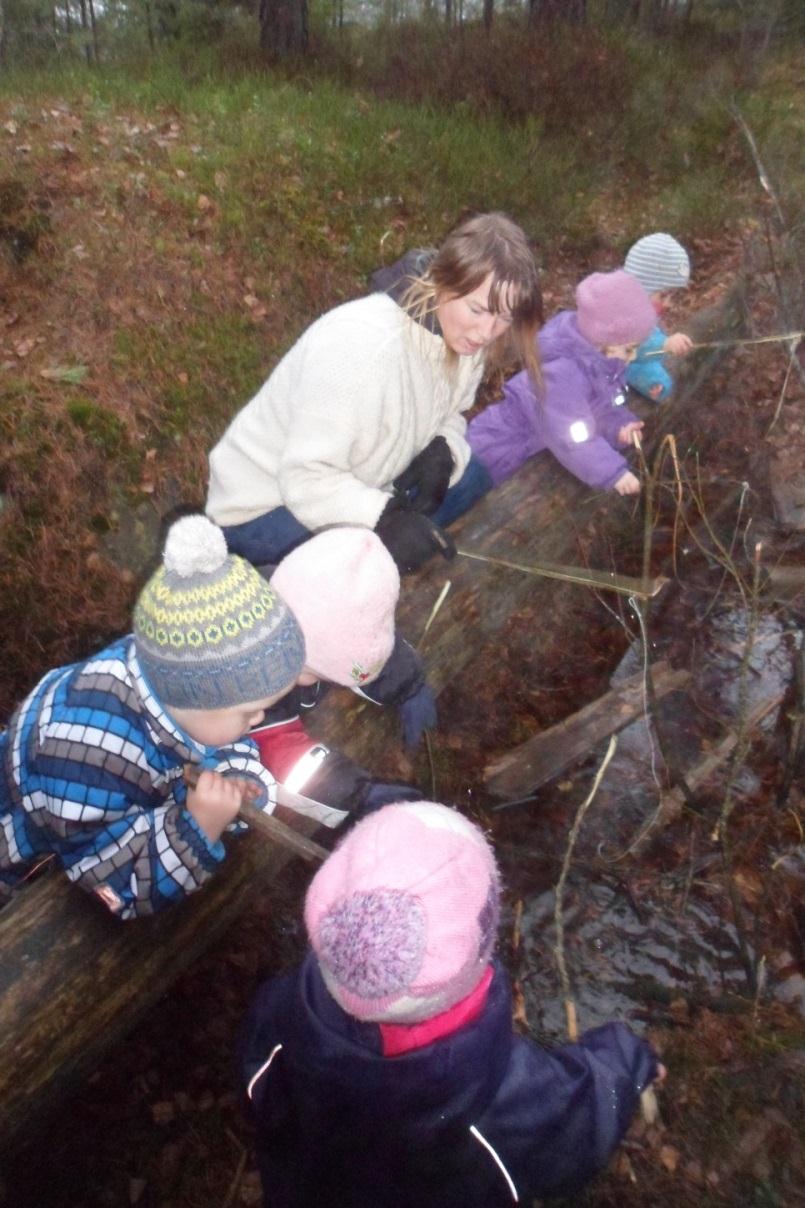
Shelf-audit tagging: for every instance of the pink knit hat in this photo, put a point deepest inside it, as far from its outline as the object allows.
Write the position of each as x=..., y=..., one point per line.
x=403, y=915
x=613, y=308
x=344, y=586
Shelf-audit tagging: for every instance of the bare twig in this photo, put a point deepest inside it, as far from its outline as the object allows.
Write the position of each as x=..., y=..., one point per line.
x=604, y=580
x=440, y=599
x=559, y=949
x=762, y=174
x=519, y=1014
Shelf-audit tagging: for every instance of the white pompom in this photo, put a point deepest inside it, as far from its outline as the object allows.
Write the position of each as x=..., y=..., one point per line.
x=194, y=546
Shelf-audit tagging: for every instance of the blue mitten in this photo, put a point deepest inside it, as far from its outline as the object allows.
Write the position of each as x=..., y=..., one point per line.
x=417, y=714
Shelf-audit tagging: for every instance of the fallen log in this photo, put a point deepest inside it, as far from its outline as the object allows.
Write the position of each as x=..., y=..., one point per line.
x=74, y=979
x=541, y=758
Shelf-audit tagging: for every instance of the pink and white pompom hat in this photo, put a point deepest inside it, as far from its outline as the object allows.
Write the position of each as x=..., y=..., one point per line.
x=403, y=915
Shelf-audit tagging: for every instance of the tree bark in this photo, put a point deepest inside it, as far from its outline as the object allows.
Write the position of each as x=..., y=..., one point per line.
x=283, y=27
x=74, y=979
x=572, y=11
x=94, y=28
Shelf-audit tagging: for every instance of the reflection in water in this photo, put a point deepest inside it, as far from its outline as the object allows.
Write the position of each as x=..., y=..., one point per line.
x=642, y=932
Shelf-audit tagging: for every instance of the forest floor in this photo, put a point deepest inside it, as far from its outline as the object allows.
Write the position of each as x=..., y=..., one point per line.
x=656, y=940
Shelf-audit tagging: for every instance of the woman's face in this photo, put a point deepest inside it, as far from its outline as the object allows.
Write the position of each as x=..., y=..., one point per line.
x=468, y=324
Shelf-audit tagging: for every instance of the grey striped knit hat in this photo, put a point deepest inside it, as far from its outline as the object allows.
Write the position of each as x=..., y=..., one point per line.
x=659, y=262
x=210, y=632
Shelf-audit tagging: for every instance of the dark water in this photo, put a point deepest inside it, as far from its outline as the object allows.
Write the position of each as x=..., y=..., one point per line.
x=644, y=930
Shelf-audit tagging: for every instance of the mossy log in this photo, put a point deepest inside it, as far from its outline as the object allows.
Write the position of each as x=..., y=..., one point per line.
x=74, y=979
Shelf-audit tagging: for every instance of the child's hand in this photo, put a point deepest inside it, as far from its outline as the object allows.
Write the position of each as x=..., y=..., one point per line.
x=679, y=345
x=215, y=802
x=627, y=432
x=628, y=484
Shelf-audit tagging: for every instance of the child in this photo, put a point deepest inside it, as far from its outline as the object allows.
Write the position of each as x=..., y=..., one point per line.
x=579, y=414
x=660, y=264
x=343, y=587
x=385, y=1070
x=91, y=763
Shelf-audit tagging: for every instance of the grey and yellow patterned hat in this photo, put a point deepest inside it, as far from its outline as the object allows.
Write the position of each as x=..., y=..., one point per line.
x=210, y=632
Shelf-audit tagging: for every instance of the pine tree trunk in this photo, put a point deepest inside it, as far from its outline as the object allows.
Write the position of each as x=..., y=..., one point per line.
x=283, y=27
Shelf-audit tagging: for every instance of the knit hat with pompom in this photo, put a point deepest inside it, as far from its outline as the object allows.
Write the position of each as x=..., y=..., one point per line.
x=209, y=631
x=613, y=308
x=343, y=586
x=403, y=915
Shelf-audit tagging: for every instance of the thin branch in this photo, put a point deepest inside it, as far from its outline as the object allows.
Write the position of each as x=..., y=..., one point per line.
x=559, y=948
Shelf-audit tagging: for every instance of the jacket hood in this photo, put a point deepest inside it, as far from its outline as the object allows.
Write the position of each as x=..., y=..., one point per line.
x=395, y=280
x=442, y=1087
x=560, y=337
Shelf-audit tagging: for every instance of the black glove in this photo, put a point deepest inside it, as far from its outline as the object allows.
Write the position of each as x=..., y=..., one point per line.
x=387, y=792
x=418, y=714
x=410, y=537
x=424, y=483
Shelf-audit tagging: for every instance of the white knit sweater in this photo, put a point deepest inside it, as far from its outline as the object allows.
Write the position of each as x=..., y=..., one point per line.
x=361, y=392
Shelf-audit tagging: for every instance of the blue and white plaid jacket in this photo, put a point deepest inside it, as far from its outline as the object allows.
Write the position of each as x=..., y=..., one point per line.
x=91, y=769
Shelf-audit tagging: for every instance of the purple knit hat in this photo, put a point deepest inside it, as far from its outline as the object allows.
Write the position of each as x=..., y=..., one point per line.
x=613, y=308
x=403, y=915
x=342, y=586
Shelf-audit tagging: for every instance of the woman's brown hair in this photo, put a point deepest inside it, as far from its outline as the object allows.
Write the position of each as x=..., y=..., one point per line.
x=476, y=247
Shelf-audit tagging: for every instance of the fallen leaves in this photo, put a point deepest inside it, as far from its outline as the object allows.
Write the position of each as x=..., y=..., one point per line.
x=25, y=347
x=669, y=1158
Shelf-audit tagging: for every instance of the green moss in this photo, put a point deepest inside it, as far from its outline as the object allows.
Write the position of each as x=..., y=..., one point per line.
x=102, y=427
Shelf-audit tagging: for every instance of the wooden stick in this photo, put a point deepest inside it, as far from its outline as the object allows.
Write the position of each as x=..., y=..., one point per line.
x=267, y=826
x=602, y=580
x=543, y=756
x=559, y=892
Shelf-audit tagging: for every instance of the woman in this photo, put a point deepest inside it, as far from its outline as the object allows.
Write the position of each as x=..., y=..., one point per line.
x=361, y=422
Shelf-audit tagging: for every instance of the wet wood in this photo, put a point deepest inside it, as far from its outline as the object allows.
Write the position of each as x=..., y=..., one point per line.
x=785, y=583
x=673, y=802
x=541, y=758
x=74, y=979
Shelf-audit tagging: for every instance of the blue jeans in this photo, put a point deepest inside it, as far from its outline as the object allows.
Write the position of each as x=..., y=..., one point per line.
x=471, y=486
x=268, y=538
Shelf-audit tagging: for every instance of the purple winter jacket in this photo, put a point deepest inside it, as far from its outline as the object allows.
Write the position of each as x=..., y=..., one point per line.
x=583, y=398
